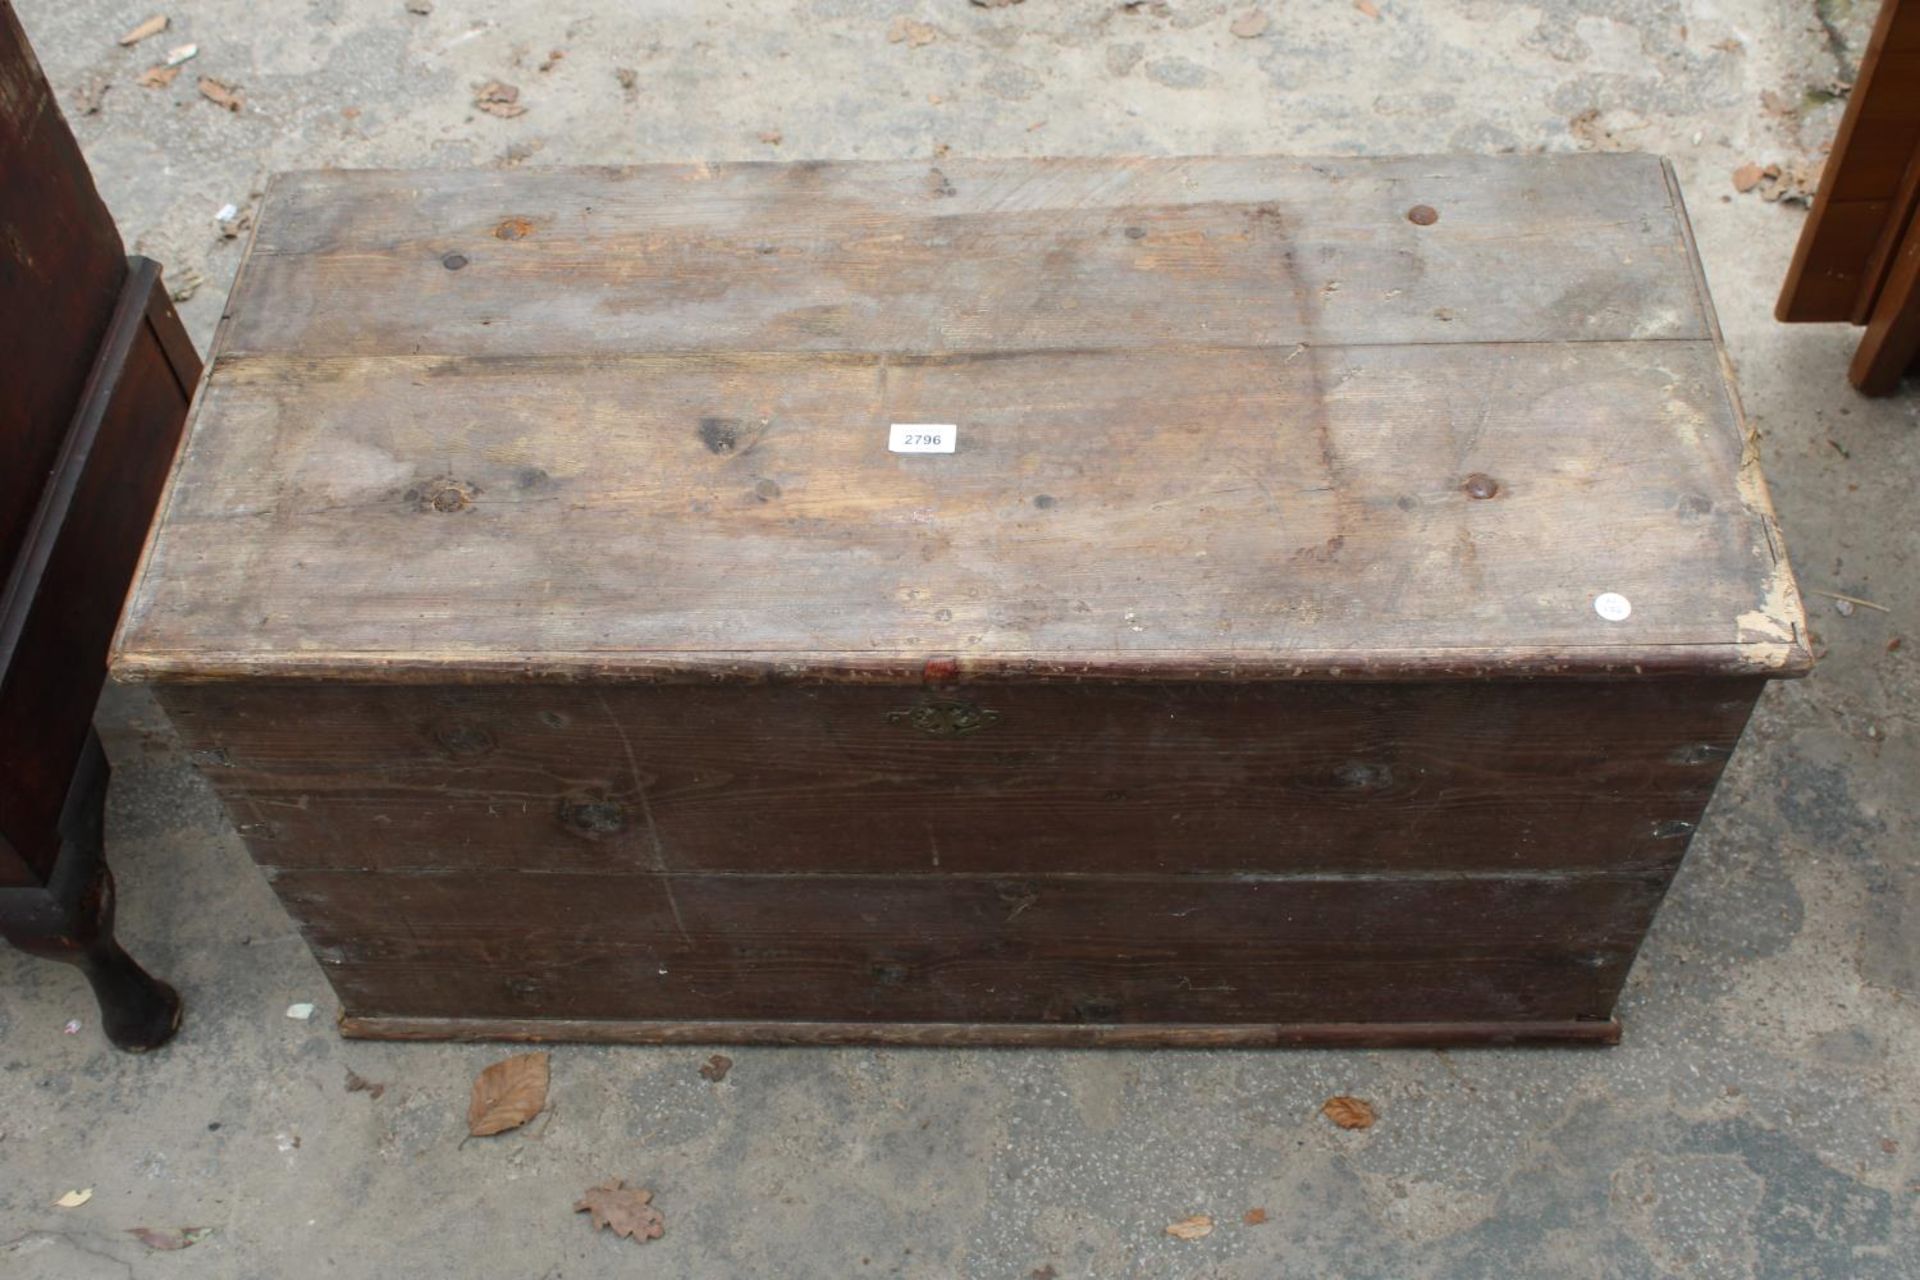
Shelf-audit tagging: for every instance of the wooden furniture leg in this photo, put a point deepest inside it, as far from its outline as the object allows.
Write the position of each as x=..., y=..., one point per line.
x=1864, y=200
x=1855, y=260
x=98, y=376
x=70, y=919
x=1893, y=329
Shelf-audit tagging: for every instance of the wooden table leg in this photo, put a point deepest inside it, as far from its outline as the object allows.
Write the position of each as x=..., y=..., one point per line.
x=71, y=920
x=1893, y=329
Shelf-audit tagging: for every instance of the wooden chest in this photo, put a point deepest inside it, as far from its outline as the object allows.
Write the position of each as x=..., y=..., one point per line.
x=1190, y=601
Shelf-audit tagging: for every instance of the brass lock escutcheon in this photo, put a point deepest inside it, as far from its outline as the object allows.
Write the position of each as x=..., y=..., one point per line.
x=945, y=717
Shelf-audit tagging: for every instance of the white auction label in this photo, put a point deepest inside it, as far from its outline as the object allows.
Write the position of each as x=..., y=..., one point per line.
x=923, y=437
x=1612, y=606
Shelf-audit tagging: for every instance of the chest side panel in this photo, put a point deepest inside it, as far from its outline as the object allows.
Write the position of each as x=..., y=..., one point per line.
x=1041, y=853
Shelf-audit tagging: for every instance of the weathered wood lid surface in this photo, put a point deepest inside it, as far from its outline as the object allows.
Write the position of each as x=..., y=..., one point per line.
x=1244, y=417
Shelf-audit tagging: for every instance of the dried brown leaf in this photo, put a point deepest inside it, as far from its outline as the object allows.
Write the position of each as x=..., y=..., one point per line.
x=420, y=8
x=1254, y=1217
x=914, y=32
x=185, y=284
x=1348, y=1112
x=1367, y=7
x=622, y=1210
x=1193, y=1228
x=151, y=27
x=1249, y=24
x=1775, y=104
x=995, y=4
x=221, y=95
x=498, y=98
x=717, y=1067
x=357, y=1083
x=158, y=76
x=169, y=1239
x=772, y=137
x=87, y=97
x=508, y=1094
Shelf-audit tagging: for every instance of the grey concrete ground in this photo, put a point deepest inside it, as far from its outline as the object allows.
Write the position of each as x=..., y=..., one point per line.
x=1760, y=1119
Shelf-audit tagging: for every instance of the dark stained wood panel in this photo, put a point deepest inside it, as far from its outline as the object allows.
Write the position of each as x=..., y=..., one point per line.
x=513, y=944
x=61, y=267
x=1071, y=1035
x=1205, y=778
x=62, y=594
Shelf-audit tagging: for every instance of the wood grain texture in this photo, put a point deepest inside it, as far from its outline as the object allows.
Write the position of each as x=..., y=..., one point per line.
x=1863, y=206
x=1892, y=339
x=979, y=256
x=1064, y=1035
x=1421, y=779
x=539, y=594
x=1213, y=413
x=1042, y=949
x=61, y=268
x=61, y=595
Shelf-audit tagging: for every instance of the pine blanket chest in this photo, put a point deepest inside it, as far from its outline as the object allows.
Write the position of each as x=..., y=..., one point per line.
x=1178, y=601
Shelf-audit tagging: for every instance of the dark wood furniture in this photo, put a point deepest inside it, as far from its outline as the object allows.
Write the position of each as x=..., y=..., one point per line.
x=1859, y=254
x=99, y=373
x=1348, y=582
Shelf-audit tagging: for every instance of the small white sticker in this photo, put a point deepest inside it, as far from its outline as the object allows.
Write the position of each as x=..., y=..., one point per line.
x=923, y=437
x=1612, y=606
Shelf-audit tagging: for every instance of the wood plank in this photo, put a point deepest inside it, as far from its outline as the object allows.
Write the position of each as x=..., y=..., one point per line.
x=1056, y=1035
x=1302, y=508
x=1042, y=949
x=1221, y=778
x=966, y=256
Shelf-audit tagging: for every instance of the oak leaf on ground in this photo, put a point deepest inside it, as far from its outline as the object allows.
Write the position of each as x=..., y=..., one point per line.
x=623, y=1210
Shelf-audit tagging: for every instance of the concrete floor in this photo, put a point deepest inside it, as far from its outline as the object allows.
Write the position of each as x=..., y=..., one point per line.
x=1762, y=1118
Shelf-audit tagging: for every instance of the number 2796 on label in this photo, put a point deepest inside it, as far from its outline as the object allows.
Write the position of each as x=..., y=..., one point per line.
x=922, y=437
